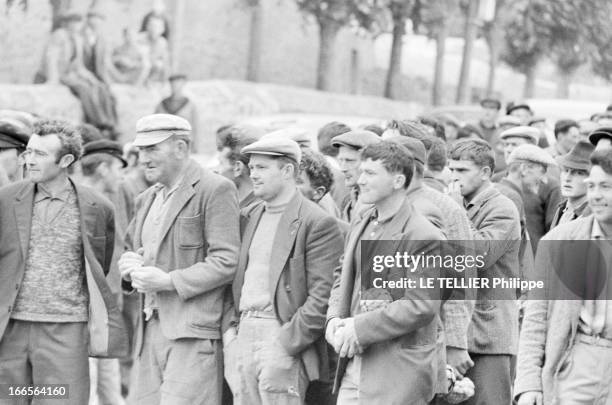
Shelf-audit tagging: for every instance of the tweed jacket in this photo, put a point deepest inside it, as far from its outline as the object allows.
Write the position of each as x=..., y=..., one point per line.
x=307, y=246
x=198, y=247
x=107, y=332
x=494, y=327
x=400, y=363
x=549, y=326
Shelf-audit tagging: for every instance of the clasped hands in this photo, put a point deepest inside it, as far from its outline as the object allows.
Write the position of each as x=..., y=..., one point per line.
x=144, y=279
x=342, y=336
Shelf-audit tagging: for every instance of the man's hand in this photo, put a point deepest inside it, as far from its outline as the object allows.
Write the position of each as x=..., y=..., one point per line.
x=128, y=262
x=345, y=339
x=149, y=279
x=530, y=398
x=459, y=359
x=454, y=191
x=330, y=331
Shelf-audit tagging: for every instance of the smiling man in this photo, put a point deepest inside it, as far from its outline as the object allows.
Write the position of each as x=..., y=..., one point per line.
x=56, y=244
x=493, y=333
x=183, y=248
x=282, y=284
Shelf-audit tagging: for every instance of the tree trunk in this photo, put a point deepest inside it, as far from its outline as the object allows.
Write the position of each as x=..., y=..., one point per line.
x=328, y=31
x=563, y=84
x=530, y=76
x=58, y=7
x=468, y=47
x=255, y=41
x=493, y=61
x=395, y=61
x=438, y=82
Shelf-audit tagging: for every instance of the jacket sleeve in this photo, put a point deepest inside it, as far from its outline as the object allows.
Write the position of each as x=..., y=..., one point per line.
x=109, y=217
x=323, y=248
x=221, y=232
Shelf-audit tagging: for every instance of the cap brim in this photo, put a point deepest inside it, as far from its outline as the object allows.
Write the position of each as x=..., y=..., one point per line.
x=338, y=144
x=148, y=138
x=561, y=162
x=594, y=138
x=258, y=152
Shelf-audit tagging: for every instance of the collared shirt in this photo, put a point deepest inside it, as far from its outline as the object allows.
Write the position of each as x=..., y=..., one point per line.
x=49, y=206
x=151, y=233
x=571, y=211
x=596, y=315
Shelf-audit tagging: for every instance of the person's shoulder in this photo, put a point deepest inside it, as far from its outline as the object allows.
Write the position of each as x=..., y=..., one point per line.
x=579, y=228
x=90, y=195
x=12, y=189
x=213, y=181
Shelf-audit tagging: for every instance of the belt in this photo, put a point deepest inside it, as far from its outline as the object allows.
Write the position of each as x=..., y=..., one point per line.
x=596, y=340
x=252, y=313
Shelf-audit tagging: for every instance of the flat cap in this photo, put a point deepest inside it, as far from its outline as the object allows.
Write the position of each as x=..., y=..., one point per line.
x=531, y=153
x=357, y=139
x=509, y=120
x=490, y=102
x=529, y=133
x=579, y=157
x=105, y=146
x=274, y=146
x=415, y=146
x=13, y=134
x=518, y=106
x=155, y=128
x=297, y=134
x=565, y=124
x=600, y=133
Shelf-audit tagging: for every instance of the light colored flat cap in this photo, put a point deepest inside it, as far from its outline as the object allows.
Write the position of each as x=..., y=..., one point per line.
x=531, y=153
x=357, y=139
x=155, y=128
x=530, y=133
x=297, y=134
x=274, y=146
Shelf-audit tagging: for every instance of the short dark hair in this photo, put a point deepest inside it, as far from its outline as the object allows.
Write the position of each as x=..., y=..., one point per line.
x=564, y=125
x=235, y=138
x=436, y=155
x=475, y=150
x=69, y=136
x=438, y=127
x=89, y=133
x=394, y=157
x=603, y=159
x=325, y=135
x=317, y=169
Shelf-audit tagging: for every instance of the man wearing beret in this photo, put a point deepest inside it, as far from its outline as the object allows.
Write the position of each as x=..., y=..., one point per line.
x=14, y=137
x=575, y=168
x=349, y=147
x=179, y=104
x=56, y=246
x=282, y=284
x=101, y=169
x=183, y=248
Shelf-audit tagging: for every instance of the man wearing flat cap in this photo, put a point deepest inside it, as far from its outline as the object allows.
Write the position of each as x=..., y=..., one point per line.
x=601, y=138
x=349, y=147
x=575, y=168
x=282, y=284
x=522, y=111
x=179, y=104
x=183, y=248
x=14, y=137
x=101, y=169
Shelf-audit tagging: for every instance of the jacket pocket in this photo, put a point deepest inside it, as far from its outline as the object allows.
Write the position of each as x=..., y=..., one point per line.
x=190, y=232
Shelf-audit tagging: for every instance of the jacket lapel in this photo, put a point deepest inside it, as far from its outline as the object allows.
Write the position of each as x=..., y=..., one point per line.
x=284, y=239
x=24, y=204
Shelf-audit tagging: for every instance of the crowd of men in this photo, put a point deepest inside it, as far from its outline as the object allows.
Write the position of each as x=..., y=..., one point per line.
x=143, y=274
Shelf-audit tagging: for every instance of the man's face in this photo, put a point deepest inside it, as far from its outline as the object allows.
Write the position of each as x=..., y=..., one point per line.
x=599, y=194
x=603, y=143
x=523, y=114
x=160, y=161
x=512, y=143
x=572, y=182
x=9, y=160
x=42, y=158
x=468, y=175
x=348, y=160
x=112, y=174
x=570, y=138
x=376, y=183
x=489, y=114
x=267, y=177
x=531, y=175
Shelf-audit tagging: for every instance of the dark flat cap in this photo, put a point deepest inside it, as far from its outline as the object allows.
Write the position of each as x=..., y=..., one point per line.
x=519, y=106
x=155, y=128
x=357, y=139
x=578, y=157
x=490, y=102
x=565, y=124
x=415, y=146
x=274, y=146
x=13, y=134
x=105, y=146
x=600, y=133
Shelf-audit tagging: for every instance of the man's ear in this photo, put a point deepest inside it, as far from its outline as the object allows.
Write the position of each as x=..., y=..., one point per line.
x=238, y=168
x=399, y=181
x=182, y=148
x=319, y=193
x=486, y=172
x=66, y=160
